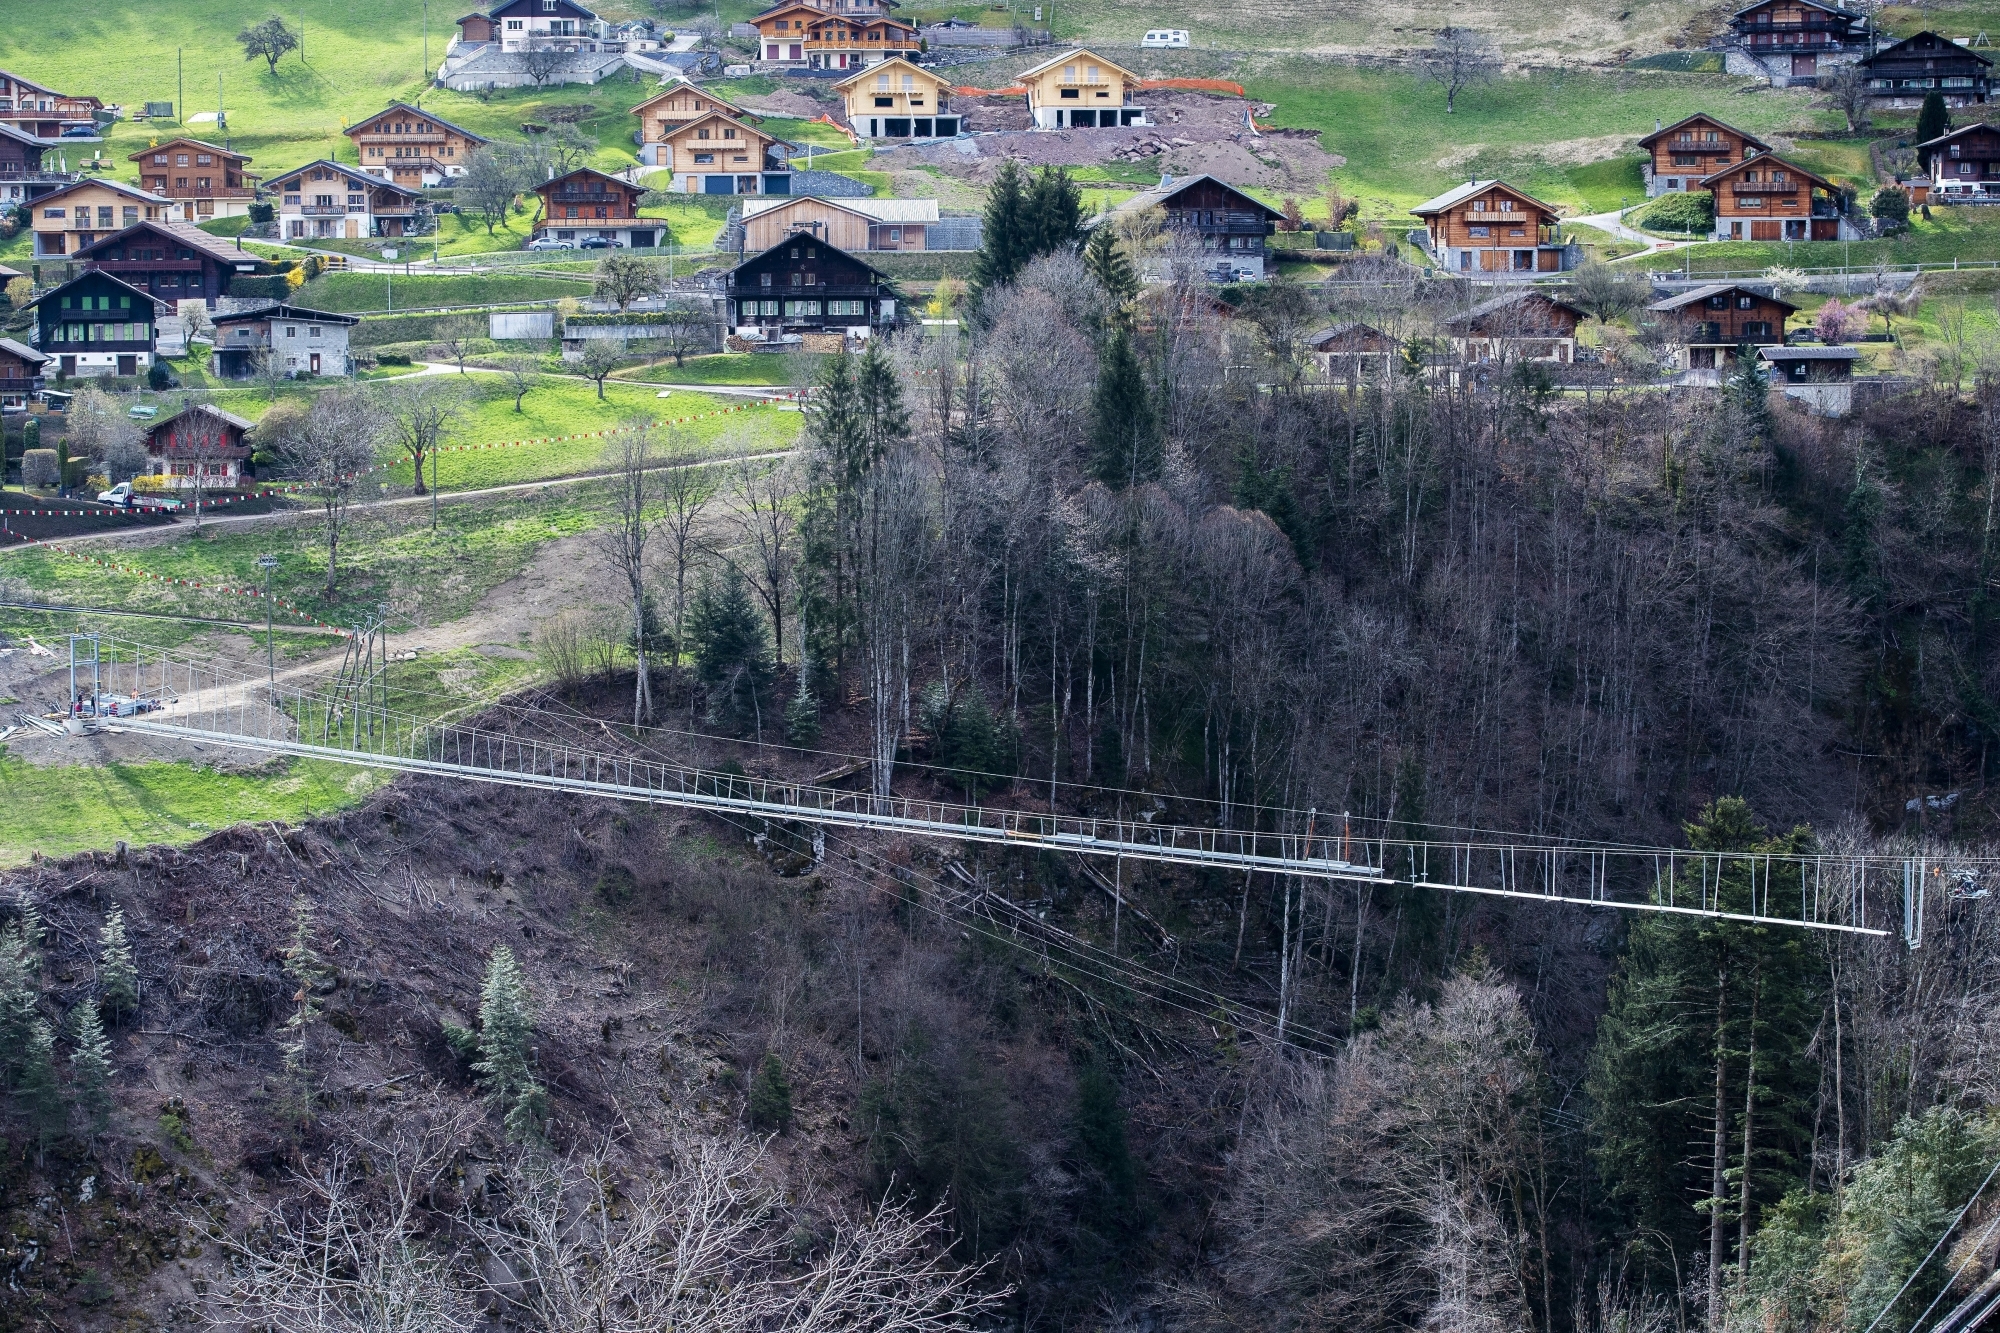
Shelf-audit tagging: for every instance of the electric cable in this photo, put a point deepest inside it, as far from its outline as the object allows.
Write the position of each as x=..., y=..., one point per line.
x=1933, y=1250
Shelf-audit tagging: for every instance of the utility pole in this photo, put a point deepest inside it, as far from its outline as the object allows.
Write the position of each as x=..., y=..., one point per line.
x=268, y=562
x=427, y=41
x=180, y=89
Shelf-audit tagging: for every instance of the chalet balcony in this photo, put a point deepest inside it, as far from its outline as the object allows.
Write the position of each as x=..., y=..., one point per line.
x=331, y=210
x=375, y=140
x=1799, y=25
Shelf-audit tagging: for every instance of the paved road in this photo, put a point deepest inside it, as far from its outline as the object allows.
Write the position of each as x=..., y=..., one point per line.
x=1614, y=223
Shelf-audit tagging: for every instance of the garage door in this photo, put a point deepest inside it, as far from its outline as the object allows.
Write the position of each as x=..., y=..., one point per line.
x=718, y=185
x=1765, y=231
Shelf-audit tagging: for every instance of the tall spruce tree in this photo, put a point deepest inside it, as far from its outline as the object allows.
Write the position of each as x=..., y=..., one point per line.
x=90, y=1064
x=732, y=656
x=1005, y=235
x=505, y=1065
x=1124, y=432
x=1700, y=1083
x=117, y=977
x=1054, y=210
x=1108, y=264
x=1933, y=120
x=20, y=992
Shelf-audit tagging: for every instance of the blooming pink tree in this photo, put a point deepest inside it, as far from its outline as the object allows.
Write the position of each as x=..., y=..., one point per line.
x=1837, y=323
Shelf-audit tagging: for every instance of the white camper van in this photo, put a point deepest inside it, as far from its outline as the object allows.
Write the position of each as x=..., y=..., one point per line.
x=1161, y=39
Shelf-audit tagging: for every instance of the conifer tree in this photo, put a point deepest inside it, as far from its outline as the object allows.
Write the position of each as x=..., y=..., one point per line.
x=1125, y=445
x=306, y=970
x=771, y=1095
x=36, y=1093
x=117, y=978
x=1054, y=208
x=504, y=1066
x=1933, y=120
x=20, y=993
x=732, y=655
x=1110, y=1210
x=90, y=1064
x=1113, y=271
x=1005, y=235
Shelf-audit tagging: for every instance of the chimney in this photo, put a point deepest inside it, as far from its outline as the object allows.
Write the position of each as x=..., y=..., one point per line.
x=1658, y=125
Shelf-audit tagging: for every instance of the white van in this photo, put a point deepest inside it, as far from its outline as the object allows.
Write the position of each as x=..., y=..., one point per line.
x=1165, y=39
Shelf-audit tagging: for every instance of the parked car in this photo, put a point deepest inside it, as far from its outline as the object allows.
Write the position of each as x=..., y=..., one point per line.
x=549, y=243
x=599, y=243
x=122, y=494
x=81, y=132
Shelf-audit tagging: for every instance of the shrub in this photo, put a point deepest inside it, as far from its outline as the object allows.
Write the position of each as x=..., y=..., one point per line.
x=1890, y=205
x=771, y=1095
x=38, y=467
x=391, y=359
x=272, y=287
x=1681, y=212
x=262, y=213
x=158, y=377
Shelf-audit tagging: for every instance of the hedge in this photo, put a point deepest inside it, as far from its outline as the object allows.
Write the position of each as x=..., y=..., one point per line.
x=272, y=287
x=38, y=467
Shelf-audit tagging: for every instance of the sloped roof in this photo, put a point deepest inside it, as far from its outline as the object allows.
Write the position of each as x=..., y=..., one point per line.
x=1961, y=131
x=1694, y=294
x=1159, y=195
x=828, y=245
x=192, y=143
x=99, y=275
x=1319, y=338
x=282, y=310
x=1507, y=299
x=1459, y=194
x=707, y=116
x=203, y=409
x=1938, y=38
x=369, y=119
x=619, y=181
x=9, y=132
x=1066, y=58
x=681, y=83
x=883, y=67
x=1765, y=161
x=1815, y=4
x=355, y=174
x=120, y=187
x=875, y=210
x=25, y=352
x=221, y=249
x=1809, y=353
x=1663, y=132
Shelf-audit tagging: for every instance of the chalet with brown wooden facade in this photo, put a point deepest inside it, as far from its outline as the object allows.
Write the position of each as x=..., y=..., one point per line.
x=97, y=325
x=799, y=33
x=44, y=113
x=1795, y=41
x=1706, y=325
x=1522, y=325
x=1491, y=229
x=21, y=368
x=676, y=104
x=805, y=286
x=1964, y=165
x=200, y=445
x=1770, y=199
x=1351, y=351
x=207, y=180
x=1905, y=74
x=1679, y=155
x=590, y=203
x=718, y=154
x=22, y=176
x=1229, y=225
x=410, y=147
x=173, y=261
x=331, y=199
x=72, y=217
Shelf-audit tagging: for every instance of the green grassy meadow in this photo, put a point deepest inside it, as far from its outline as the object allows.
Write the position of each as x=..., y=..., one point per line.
x=745, y=369
x=60, y=810
x=346, y=292
x=1948, y=235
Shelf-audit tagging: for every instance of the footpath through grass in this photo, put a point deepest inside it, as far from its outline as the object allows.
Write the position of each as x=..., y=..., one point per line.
x=71, y=808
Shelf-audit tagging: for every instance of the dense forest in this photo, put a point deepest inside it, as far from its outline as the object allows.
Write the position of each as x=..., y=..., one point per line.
x=1112, y=546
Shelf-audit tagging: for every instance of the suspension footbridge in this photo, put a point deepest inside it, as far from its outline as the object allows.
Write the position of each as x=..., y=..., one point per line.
x=347, y=718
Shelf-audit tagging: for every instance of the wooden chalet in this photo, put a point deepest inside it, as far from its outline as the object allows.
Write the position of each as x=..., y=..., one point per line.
x=1353, y=350
x=1770, y=199
x=678, y=102
x=1081, y=89
x=330, y=199
x=23, y=179
x=73, y=216
x=1522, y=325
x=1229, y=224
x=21, y=369
x=803, y=286
x=1964, y=165
x=44, y=113
x=208, y=181
x=1820, y=378
x=846, y=224
x=96, y=324
x=1905, y=74
x=1680, y=154
x=1795, y=41
x=796, y=32
x=199, y=445
x=173, y=261
x=1707, y=324
x=410, y=147
x=718, y=154
x=898, y=100
x=588, y=202
x=521, y=25
x=1491, y=229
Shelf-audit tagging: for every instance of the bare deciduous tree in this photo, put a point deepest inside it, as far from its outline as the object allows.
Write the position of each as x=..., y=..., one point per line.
x=600, y=357
x=624, y=541
x=686, y=488
x=421, y=413
x=330, y=453
x=763, y=499
x=1457, y=59
x=522, y=375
